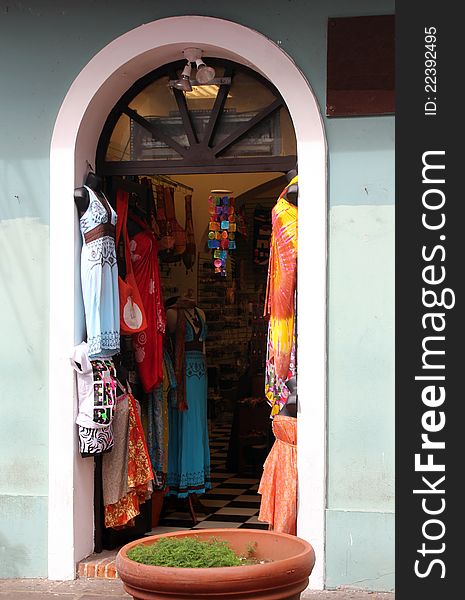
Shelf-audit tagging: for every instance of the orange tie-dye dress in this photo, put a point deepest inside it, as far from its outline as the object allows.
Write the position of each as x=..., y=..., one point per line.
x=278, y=485
x=280, y=302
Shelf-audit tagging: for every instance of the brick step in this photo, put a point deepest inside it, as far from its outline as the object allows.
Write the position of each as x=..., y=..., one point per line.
x=98, y=566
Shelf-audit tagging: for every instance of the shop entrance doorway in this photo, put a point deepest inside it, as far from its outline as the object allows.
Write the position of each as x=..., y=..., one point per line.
x=167, y=149
x=74, y=144
x=237, y=414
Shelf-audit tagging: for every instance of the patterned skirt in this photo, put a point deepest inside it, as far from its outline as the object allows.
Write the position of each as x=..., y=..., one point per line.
x=278, y=485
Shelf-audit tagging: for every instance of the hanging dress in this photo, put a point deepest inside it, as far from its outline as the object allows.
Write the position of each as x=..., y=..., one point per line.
x=280, y=303
x=158, y=423
x=99, y=277
x=188, y=449
x=148, y=344
x=139, y=473
x=115, y=463
x=278, y=485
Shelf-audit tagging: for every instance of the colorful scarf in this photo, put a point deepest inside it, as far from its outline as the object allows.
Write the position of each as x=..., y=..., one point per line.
x=148, y=344
x=280, y=301
x=179, y=361
x=170, y=381
x=176, y=344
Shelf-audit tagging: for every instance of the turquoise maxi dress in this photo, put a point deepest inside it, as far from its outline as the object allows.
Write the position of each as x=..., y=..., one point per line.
x=188, y=449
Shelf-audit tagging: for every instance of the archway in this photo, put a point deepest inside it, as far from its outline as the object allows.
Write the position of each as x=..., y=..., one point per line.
x=79, y=123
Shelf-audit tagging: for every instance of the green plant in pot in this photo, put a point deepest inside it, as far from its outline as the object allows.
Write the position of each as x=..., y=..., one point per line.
x=216, y=564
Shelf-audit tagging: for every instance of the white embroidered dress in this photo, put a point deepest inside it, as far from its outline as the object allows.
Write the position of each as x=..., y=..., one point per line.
x=99, y=277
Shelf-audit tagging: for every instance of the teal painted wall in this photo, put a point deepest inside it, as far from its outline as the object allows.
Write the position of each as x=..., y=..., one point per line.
x=360, y=549
x=43, y=46
x=23, y=539
x=361, y=397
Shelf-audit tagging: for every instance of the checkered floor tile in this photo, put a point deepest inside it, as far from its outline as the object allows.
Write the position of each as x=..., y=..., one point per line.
x=233, y=501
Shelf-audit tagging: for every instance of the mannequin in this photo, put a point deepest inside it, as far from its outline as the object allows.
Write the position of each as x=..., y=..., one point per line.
x=185, y=302
x=293, y=189
x=290, y=408
x=278, y=485
x=81, y=194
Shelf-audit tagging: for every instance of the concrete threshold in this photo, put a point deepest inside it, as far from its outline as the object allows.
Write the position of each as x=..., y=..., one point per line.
x=112, y=589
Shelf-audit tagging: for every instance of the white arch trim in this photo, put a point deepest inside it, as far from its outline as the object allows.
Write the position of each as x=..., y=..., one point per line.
x=79, y=123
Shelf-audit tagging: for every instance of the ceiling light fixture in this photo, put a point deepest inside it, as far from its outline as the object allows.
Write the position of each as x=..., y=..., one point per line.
x=205, y=74
x=183, y=83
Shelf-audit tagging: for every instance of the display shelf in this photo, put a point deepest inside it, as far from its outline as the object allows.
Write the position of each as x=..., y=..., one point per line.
x=228, y=335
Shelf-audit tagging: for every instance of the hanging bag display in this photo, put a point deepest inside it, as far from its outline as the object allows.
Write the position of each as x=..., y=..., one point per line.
x=175, y=231
x=166, y=241
x=188, y=258
x=132, y=315
x=178, y=231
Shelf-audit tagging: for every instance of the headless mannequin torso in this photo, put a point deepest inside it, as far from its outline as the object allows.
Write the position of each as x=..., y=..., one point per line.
x=190, y=309
x=81, y=194
x=290, y=408
x=186, y=302
x=293, y=190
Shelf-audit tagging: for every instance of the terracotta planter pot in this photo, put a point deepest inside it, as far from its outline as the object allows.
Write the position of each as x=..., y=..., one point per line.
x=282, y=579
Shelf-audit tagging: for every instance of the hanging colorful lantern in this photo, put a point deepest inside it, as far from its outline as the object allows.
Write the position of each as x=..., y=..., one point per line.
x=222, y=228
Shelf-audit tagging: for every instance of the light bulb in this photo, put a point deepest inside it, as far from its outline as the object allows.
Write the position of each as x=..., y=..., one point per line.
x=204, y=74
x=183, y=83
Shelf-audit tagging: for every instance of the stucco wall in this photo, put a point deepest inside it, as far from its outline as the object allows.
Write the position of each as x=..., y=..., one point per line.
x=43, y=46
x=23, y=406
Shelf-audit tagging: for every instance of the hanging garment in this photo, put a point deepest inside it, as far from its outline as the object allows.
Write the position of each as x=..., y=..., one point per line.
x=99, y=277
x=115, y=463
x=166, y=242
x=139, y=473
x=188, y=258
x=151, y=207
x=280, y=303
x=132, y=314
x=278, y=485
x=261, y=236
x=173, y=240
x=241, y=222
x=188, y=450
x=148, y=345
x=179, y=360
x=178, y=231
x=93, y=442
x=96, y=385
x=158, y=423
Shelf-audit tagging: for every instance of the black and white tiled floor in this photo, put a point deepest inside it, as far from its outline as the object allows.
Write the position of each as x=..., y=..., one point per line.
x=234, y=499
